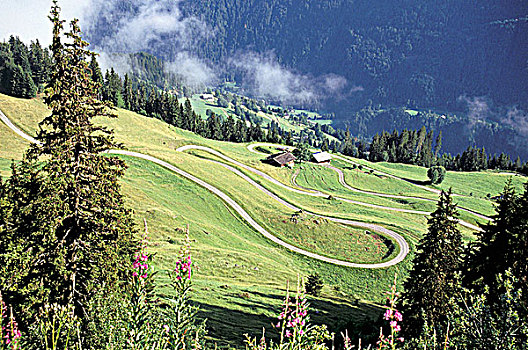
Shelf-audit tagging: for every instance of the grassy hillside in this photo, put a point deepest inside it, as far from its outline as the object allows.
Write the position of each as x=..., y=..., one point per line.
x=242, y=275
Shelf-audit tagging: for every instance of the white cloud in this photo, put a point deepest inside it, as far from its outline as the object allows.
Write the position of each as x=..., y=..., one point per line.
x=478, y=109
x=194, y=71
x=269, y=79
x=518, y=120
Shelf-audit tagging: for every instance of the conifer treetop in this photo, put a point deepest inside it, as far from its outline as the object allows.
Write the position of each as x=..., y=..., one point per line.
x=72, y=96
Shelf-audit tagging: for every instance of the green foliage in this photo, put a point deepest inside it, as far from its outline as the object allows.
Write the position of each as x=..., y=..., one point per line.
x=393, y=316
x=171, y=323
x=475, y=324
x=433, y=278
x=57, y=328
x=69, y=231
x=436, y=174
x=482, y=322
x=112, y=88
x=23, y=70
x=302, y=152
x=411, y=147
x=314, y=284
x=502, y=245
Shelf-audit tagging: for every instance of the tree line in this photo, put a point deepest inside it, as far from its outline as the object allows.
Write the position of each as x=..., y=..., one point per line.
x=421, y=147
x=23, y=70
x=147, y=100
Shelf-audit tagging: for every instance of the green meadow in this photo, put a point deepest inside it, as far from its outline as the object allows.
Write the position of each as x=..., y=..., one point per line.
x=242, y=276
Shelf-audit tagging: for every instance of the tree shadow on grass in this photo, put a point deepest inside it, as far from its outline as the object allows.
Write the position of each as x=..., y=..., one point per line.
x=417, y=182
x=227, y=326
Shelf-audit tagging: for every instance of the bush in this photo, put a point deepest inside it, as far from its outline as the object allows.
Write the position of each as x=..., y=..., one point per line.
x=302, y=152
x=436, y=174
x=314, y=284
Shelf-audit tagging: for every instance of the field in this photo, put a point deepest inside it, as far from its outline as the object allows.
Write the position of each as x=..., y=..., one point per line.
x=243, y=276
x=201, y=106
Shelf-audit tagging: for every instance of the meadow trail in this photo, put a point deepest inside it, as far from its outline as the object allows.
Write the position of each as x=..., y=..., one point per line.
x=343, y=182
x=404, y=246
x=311, y=193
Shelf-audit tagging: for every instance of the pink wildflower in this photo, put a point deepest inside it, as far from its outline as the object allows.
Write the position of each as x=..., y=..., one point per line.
x=398, y=316
x=394, y=325
x=388, y=314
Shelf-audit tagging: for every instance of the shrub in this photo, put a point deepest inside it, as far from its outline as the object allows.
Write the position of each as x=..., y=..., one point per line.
x=314, y=284
x=436, y=174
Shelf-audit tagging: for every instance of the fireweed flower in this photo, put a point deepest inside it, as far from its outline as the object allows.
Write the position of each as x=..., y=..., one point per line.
x=293, y=318
x=393, y=316
x=140, y=265
x=388, y=315
x=10, y=332
x=183, y=268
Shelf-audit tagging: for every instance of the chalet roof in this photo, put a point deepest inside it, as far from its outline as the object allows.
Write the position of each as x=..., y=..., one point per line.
x=283, y=158
x=322, y=157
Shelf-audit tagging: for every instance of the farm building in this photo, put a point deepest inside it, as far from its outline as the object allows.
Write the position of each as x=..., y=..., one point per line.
x=322, y=157
x=207, y=97
x=282, y=159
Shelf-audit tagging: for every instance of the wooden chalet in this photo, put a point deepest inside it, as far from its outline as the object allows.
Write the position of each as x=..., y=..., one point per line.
x=282, y=159
x=322, y=157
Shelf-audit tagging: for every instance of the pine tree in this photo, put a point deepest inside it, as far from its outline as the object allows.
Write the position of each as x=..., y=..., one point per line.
x=325, y=147
x=40, y=64
x=127, y=92
x=112, y=88
x=214, y=128
x=70, y=235
x=502, y=246
x=433, y=279
x=438, y=144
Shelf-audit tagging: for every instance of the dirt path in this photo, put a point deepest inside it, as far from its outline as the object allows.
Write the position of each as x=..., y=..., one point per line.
x=16, y=129
x=343, y=182
x=312, y=193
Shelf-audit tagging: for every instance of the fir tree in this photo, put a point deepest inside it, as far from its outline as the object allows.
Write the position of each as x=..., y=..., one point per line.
x=112, y=88
x=502, y=245
x=40, y=64
x=433, y=279
x=70, y=236
x=325, y=147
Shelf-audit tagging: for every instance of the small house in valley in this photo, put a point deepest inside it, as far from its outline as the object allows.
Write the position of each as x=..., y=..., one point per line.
x=322, y=157
x=282, y=159
x=207, y=97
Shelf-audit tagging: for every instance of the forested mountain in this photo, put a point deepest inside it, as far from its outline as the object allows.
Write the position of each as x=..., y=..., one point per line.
x=464, y=57
x=426, y=53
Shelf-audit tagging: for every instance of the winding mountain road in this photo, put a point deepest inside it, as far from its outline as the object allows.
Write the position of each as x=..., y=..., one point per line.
x=404, y=247
x=343, y=182
x=308, y=192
